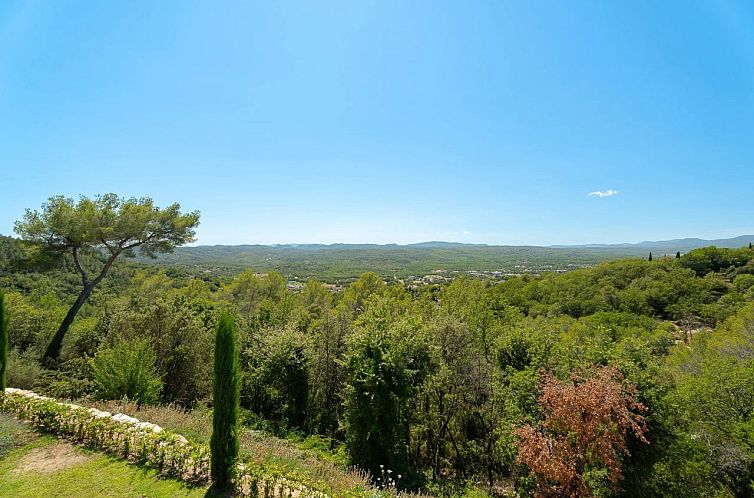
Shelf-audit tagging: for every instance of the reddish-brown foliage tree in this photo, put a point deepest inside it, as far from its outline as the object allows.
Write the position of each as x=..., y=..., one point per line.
x=586, y=426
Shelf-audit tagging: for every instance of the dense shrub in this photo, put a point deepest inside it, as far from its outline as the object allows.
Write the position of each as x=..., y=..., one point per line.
x=32, y=319
x=84, y=338
x=326, y=372
x=716, y=259
x=277, y=383
x=24, y=371
x=386, y=361
x=73, y=379
x=127, y=370
x=180, y=331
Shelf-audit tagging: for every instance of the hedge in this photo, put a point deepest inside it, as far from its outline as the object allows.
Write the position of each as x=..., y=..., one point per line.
x=145, y=444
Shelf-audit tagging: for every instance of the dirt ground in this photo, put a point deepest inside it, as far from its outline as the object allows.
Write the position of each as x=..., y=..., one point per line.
x=50, y=459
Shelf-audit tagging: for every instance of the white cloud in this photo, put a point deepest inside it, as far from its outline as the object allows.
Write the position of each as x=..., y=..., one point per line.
x=603, y=193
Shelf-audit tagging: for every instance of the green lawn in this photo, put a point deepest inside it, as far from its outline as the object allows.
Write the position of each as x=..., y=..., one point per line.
x=26, y=470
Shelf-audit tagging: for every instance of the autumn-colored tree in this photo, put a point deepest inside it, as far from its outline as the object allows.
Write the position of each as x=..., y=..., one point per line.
x=586, y=425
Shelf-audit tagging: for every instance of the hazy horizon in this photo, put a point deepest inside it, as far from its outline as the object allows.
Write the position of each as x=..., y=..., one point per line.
x=430, y=241
x=465, y=239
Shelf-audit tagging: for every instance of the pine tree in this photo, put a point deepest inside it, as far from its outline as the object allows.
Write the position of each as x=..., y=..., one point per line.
x=678, y=255
x=224, y=442
x=3, y=344
x=650, y=256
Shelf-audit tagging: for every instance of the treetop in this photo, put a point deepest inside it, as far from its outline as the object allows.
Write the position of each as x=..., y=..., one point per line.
x=109, y=223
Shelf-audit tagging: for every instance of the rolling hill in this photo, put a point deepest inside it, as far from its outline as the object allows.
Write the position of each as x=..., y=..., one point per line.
x=345, y=261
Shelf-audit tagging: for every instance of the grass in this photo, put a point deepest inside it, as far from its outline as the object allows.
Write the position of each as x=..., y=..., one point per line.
x=88, y=474
x=13, y=434
x=256, y=446
x=309, y=456
x=25, y=456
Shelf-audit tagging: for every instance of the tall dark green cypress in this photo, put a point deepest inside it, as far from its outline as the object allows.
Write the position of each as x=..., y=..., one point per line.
x=227, y=385
x=678, y=255
x=650, y=256
x=4, y=339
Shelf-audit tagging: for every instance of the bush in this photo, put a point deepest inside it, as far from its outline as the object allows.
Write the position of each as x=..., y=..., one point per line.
x=743, y=282
x=32, y=321
x=127, y=370
x=72, y=380
x=24, y=371
x=83, y=340
x=276, y=380
x=181, y=332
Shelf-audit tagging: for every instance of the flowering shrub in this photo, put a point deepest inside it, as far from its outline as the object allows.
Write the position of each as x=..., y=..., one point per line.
x=147, y=444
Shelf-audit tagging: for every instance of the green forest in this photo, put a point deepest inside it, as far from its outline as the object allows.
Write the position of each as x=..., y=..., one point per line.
x=629, y=378
x=345, y=262
x=337, y=263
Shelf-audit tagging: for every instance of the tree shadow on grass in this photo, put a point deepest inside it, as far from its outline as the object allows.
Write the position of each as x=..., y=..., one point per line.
x=141, y=473
x=216, y=491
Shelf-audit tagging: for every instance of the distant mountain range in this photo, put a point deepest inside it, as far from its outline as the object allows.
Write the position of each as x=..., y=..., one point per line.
x=674, y=244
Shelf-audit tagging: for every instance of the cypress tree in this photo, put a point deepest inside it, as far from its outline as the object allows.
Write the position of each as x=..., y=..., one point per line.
x=4, y=339
x=650, y=256
x=678, y=255
x=227, y=385
x=749, y=245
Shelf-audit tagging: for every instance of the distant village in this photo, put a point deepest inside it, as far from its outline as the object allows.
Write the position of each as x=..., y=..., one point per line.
x=440, y=276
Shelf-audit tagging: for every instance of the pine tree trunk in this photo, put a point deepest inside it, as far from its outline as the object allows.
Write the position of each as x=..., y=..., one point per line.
x=53, y=350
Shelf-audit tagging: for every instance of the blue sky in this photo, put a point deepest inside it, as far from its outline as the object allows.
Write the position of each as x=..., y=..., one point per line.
x=388, y=121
